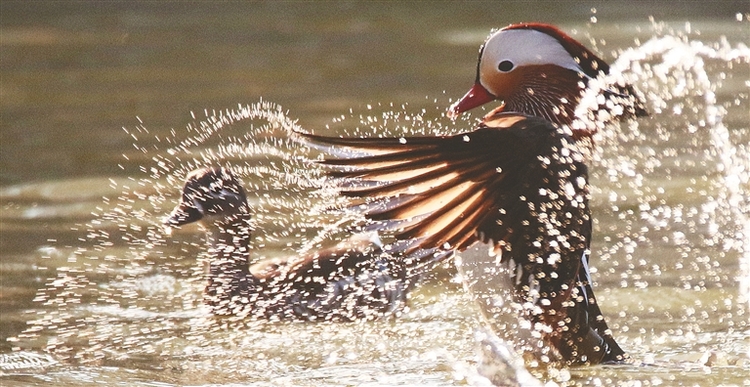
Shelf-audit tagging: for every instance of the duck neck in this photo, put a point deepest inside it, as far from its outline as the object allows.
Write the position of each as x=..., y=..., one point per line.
x=228, y=272
x=553, y=94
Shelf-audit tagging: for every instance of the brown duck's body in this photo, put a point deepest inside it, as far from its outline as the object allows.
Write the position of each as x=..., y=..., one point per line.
x=351, y=280
x=516, y=185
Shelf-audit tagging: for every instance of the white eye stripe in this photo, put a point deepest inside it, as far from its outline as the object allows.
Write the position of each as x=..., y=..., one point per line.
x=526, y=47
x=198, y=206
x=224, y=193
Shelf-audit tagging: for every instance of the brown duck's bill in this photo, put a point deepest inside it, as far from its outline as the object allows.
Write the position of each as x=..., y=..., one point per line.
x=183, y=215
x=476, y=96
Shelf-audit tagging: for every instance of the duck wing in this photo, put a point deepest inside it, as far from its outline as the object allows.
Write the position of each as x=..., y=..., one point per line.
x=517, y=183
x=444, y=193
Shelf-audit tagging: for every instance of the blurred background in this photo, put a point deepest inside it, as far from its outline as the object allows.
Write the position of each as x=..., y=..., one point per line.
x=74, y=73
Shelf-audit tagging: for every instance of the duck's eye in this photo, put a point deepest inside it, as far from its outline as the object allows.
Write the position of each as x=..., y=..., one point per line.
x=505, y=66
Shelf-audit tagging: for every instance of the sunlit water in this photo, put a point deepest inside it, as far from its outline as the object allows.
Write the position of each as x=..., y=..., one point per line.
x=671, y=258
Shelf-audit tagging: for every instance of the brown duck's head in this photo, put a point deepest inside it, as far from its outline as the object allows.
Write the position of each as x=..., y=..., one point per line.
x=534, y=69
x=209, y=195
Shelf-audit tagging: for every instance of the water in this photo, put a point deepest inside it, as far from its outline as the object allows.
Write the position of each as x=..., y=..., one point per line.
x=112, y=299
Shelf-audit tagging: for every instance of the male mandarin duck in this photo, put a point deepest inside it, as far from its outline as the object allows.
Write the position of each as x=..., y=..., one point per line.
x=349, y=281
x=517, y=183
x=538, y=70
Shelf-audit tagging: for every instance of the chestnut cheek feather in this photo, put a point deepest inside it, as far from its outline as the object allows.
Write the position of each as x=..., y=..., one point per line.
x=508, y=86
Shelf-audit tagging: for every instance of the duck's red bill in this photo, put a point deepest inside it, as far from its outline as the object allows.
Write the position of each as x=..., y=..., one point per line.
x=476, y=96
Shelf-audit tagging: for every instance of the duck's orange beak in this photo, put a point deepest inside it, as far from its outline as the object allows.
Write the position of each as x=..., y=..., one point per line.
x=476, y=96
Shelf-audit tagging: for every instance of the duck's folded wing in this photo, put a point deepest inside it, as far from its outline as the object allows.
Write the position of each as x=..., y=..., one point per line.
x=447, y=192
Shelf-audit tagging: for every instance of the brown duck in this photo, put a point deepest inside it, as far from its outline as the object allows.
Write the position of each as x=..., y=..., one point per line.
x=517, y=184
x=351, y=280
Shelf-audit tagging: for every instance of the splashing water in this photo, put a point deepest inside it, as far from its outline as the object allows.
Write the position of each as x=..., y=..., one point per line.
x=676, y=189
x=125, y=269
x=127, y=296
x=681, y=79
